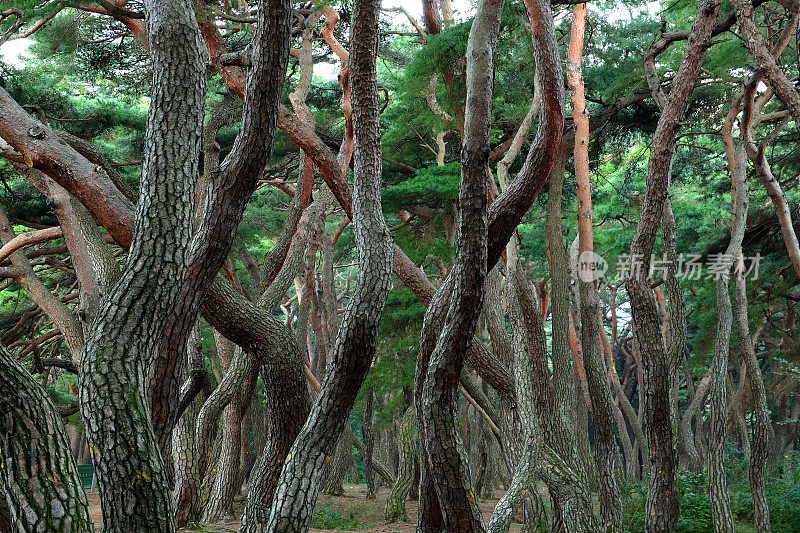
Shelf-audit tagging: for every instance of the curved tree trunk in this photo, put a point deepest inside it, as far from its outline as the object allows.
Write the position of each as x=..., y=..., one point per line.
x=148, y=300
x=663, y=499
x=226, y=481
x=761, y=425
x=354, y=349
x=717, y=479
x=40, y=490
x=444, y=463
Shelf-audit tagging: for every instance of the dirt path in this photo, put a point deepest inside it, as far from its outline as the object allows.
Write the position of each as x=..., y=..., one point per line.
x=350, y=512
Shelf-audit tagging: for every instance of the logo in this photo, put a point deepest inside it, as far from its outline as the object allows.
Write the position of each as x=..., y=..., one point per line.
x=591, y=266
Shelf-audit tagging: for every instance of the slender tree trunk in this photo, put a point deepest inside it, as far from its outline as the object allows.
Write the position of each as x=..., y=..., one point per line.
x=354, y=349
x=186, y=493
x=444, y=460
x=40, y=490
x=341, y=460
x=717, y=479
x=368, y=431
x=663, y=499
x=599, y=392
x=226, y=481
x=761, y=425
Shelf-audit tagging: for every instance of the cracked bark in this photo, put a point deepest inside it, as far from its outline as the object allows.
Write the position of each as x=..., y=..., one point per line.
x=717, y=479
x=40, y=490
x=299, y=483
x=663, y=498
x=126, y=339
x=443, y=462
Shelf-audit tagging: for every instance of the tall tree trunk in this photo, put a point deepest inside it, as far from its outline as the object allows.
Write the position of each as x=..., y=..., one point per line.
x=226, y=481
x=148, y=301
x=444, y=460
x=717, y=479
x=663, y=498
x=354, y=349
x=40, y=490
x=599, y=392
x=186, y=493
x=368, y=430
x=761, y=425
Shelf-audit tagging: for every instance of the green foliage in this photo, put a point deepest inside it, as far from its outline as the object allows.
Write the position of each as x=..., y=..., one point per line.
x=327, y=518
x=430, y=187
x=782, y=488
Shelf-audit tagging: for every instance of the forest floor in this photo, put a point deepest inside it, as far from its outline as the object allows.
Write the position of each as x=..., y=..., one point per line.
x=350, y=512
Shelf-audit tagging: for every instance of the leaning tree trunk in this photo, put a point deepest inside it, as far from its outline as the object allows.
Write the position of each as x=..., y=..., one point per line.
x=40, y=490
x=407, y=437
x=717, y=480
x=663, y=498
x=758, y=451
x=148, y=300
x=599, y=390
x=299, y=483
x=443, y=463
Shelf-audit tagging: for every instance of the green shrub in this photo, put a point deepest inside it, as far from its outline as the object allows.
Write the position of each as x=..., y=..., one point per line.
x=326, y=518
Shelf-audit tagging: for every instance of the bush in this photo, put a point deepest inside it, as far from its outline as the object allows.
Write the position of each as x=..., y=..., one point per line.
x=326, y=518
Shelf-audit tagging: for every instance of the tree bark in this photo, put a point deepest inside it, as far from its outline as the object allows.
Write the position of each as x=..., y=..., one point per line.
x=663, y=499
x=444, y=463
x=599, y=392
x=761, y=425
x=354, y=349
x=407, y=438
x=186, y=493
x=126, y=340
x=39, y=483
x=368, y=431
x=717, y=479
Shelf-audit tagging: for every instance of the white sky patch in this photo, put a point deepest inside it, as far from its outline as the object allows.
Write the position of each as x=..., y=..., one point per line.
x=13, y=52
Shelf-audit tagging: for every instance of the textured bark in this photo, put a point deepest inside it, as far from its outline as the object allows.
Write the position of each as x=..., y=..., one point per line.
x=507, y=210
x=657, y=367
x=226, y=480
x=717, y=479
x=563, y=396
x=354, y=349
x=237, y=365
x=147, y=301
x=599, y=392
x=287, y=397
x=341, y=461
x=368, y=430
x=761, y=424
x=690, y=454
x=186, y=493
x=767, y=64
x=407, y=439
x=39, y=483
x=228, y=192
x=443, y=464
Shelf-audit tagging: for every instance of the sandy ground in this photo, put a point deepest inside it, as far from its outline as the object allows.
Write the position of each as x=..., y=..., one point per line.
x=353, y=504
